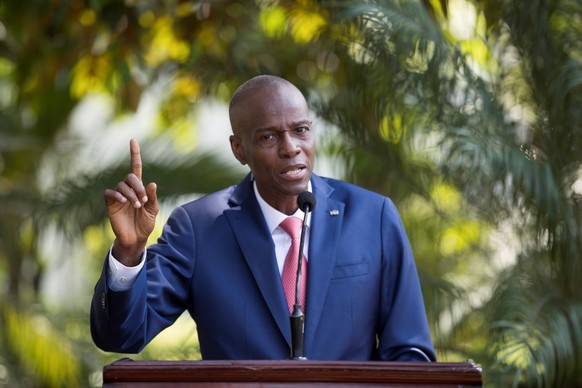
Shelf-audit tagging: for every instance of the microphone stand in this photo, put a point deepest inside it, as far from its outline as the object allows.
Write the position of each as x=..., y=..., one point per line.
x=297, y=317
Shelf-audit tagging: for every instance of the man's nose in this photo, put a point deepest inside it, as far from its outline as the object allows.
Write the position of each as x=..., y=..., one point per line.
x=288, y=145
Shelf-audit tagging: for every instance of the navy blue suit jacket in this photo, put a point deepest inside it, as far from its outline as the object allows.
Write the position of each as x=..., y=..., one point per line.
x=216, y=259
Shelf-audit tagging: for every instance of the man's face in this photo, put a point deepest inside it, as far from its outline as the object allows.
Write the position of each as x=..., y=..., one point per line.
x=273, y=135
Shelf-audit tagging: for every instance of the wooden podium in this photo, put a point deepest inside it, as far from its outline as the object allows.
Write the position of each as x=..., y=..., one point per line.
x=289, y=373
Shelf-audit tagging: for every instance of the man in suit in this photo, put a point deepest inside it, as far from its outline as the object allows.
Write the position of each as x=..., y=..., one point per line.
x=222, y=256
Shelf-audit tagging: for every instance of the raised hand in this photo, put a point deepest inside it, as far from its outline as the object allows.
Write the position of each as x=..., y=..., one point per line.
x=132, y=210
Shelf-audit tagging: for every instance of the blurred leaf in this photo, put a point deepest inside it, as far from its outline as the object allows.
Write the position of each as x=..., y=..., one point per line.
x=41, y=348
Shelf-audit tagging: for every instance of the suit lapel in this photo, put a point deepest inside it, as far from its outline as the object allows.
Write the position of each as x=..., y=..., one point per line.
x=253, y=237
x=250, y=229
x=325, y=231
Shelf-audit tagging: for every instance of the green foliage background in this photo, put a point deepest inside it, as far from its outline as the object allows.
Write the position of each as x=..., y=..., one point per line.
x=465, y=112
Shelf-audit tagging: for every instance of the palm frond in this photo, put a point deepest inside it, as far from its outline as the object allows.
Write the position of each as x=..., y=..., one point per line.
x=39, y=348
x=78, y=202
x=537, y=331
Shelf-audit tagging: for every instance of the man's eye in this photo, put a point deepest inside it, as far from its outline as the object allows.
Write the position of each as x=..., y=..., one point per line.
x=268, y=137
x=302, y=129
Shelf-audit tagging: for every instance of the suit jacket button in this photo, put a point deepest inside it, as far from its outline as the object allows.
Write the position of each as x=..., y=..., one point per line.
x=104, y=300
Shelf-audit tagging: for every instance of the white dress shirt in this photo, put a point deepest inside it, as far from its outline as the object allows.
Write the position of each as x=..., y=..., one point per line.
x=281, y=238
x=121, y=277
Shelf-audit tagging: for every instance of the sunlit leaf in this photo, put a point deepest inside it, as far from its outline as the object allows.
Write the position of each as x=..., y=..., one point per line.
x=273, y=21
x=306, y=25
x=41, y=347
x=164, y=44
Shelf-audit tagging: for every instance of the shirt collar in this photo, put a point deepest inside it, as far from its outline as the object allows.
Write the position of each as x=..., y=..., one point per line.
x=273, y=216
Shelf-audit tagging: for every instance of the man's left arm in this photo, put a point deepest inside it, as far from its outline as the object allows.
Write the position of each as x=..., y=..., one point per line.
x=403, y=334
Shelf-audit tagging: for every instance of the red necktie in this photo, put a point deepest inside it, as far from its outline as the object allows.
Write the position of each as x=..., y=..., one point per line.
x=292, y=225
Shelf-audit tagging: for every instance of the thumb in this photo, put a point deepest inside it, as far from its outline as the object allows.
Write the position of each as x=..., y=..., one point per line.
x=152, y=203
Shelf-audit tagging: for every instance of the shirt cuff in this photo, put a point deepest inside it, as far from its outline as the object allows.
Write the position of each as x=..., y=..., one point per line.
x=121, y=278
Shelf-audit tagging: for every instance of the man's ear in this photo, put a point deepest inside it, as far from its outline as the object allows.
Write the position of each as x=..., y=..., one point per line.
x=237, y=149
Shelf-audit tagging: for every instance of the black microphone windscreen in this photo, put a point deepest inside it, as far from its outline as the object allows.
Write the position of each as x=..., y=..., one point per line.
x=306, y=201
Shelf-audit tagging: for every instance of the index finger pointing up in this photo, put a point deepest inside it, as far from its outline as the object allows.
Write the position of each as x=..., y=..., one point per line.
x=136, y=166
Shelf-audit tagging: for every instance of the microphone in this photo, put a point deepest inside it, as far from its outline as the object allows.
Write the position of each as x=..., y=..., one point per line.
x=306, y=202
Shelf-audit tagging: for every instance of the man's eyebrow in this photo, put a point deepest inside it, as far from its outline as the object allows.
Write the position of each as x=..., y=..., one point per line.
x=276, y=129
x=265, y=129
x=303, y=122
